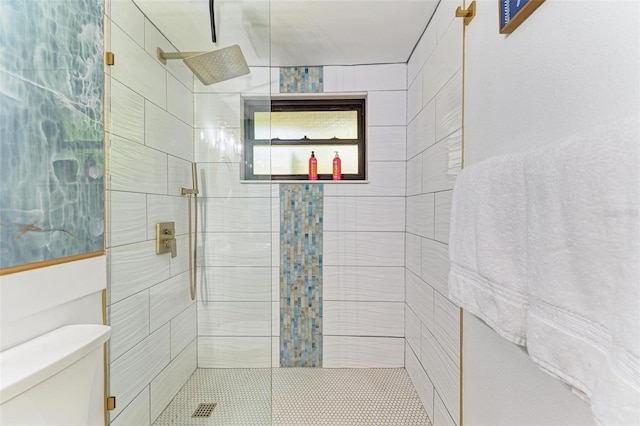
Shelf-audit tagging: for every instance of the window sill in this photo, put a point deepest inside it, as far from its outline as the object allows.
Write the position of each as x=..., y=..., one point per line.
x=330, y=182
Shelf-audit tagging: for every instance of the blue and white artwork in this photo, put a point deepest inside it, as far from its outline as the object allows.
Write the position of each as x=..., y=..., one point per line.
x=51, y=130
x=514, y=12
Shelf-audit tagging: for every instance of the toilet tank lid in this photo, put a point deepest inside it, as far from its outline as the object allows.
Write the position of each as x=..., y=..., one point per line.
x=34, y=361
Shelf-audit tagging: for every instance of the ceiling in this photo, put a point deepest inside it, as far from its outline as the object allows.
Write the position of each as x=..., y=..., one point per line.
x=297, y=32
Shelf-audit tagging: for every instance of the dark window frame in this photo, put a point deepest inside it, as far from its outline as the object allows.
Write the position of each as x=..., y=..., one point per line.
x=293, y=105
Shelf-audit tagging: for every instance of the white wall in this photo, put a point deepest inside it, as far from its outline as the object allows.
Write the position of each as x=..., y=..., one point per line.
x=235, y=234
x=363, y=281
x=569, y=67
x=35, y=302
x=149, y=153
x=41, y=300
x=434, y=107
x=502, y=385
x=363, y=278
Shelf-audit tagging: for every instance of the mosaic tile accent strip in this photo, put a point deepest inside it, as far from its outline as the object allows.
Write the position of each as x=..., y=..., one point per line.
x=301, y=80
x=299, y=396
x=51, y=137
x=301, y=275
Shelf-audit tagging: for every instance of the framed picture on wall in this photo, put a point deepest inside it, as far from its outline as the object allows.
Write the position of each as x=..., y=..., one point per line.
x=52, y=133
x=514, y=12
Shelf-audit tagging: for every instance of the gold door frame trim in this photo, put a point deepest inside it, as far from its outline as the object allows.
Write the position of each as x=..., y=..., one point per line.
x=52, y=262
x=462, y=146
x=109, y=60
x=104, y=357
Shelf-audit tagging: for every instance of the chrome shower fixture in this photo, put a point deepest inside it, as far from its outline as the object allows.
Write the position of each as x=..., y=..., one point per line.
x=211, y=67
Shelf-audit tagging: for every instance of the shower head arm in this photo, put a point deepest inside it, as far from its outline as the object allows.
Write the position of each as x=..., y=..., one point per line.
x=211, y=67
x=163, y=56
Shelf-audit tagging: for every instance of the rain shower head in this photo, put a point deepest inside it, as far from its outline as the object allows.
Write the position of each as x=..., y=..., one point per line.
x=211, y=67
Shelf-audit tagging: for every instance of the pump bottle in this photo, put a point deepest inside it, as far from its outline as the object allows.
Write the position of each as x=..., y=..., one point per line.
x=313, y=167
x=337, y=167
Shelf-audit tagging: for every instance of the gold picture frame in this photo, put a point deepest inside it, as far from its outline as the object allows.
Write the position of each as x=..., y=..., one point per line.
x=512, y=13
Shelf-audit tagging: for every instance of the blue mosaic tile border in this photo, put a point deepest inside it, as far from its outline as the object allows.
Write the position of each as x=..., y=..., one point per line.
x=301, y=217
x=301, y=80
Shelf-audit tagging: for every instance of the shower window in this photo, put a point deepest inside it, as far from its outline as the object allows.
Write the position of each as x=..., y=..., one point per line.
x=280, y=136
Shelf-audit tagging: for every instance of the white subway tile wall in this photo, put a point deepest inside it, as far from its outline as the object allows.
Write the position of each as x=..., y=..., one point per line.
x=235, y=249
x=235, y=283
x=166, y=208
x=365, y=78
x=234, y=352
x=128, y=225
x=375, y=233
x=170, y=380
x=364, y=231
x=234, y=318
x=168, y=299
x=236, y=215
x=363, y=352
x=183, y=330
x=442, y=371
x=135, y=166
x=441, y=414
x=134, y=370
x=364, y=283
x=387, y=108
x=383, y=319
x=364, y=242
x=443, y=212
x=235, y=308
x=434, y=121
x=150, y=145
x=363, y=214
x=136, y=69
x=180, y=264
x=134, y=268
x=386, y=143
x=137, y=413
x=129, y=320
x=363, y=248
x=127, y=113
x=166, y=133
x=420, y=379
x=179, y=100
x=154, y=39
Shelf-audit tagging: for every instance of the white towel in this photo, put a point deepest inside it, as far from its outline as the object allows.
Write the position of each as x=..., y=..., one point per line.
x=487, y=244
x=545, y=247
x=583, y=324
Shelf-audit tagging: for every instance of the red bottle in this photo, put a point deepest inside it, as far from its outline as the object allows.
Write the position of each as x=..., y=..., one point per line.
x=337, y=167
x=313, y=167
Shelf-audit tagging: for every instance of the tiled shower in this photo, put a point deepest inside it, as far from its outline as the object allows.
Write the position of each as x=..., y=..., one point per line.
x=160, y=120
x=318, y=303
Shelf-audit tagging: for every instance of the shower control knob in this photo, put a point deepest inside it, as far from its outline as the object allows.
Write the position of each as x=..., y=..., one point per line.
x=172, y=247
x=166, y=238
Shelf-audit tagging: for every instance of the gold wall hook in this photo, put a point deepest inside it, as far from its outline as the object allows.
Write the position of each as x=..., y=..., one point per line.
x=468, y=14
x=111, y=403
x=109, y=58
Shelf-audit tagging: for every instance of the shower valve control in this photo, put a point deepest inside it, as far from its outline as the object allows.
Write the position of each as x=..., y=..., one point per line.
x=166, y=238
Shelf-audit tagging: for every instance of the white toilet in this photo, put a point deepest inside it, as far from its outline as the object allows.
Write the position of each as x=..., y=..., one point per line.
x=55, y=379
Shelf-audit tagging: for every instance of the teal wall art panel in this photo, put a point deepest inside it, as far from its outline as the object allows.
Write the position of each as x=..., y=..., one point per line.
x=301, y=211
x=51, y=130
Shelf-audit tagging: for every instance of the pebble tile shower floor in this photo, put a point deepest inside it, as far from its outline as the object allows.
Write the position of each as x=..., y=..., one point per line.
x=301, y=397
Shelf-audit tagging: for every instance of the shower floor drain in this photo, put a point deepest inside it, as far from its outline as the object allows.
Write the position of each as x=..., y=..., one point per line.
x=204, y=410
